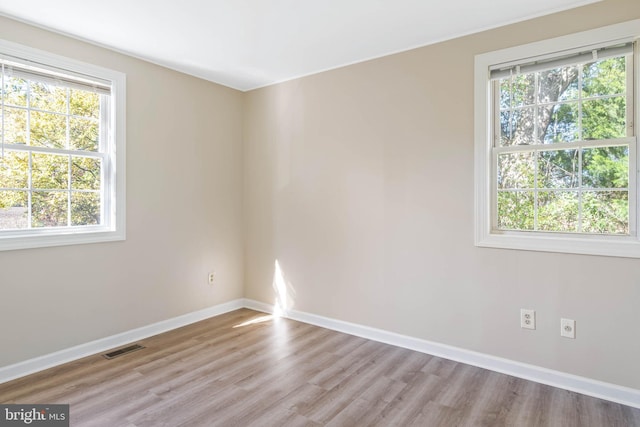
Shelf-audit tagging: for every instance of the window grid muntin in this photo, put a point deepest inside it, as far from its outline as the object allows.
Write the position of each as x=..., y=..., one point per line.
x=70, y=191
x=580, y=189
x=104, y=106
x=78, y=74
x=579, y=100
x=497, y=148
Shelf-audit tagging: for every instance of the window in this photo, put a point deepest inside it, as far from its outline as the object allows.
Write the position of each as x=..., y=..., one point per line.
x=556, y=157
x=61, y=150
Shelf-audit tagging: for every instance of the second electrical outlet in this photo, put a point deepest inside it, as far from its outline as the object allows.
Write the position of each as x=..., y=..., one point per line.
x=568, y=328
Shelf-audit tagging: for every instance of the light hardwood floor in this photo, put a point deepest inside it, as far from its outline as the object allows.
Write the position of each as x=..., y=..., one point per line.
x=246, y=369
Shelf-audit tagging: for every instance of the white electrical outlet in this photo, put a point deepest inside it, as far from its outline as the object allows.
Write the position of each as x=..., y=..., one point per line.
x=212, y=277
x=527, y=318
x=568, y=328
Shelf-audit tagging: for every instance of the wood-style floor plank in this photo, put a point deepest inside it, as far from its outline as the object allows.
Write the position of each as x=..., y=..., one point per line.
x=246, y=369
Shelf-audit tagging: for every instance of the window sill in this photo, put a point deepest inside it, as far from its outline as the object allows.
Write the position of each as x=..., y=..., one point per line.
x=615, y=246
x=485, y=236
x=72, y=237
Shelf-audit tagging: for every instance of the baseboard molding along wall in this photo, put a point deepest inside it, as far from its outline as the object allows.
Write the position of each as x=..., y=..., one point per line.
x=602, y=390
x=30, y=366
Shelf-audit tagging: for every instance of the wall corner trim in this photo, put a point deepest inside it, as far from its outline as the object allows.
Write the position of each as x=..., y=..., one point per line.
x=590, y=387
x=30, y=366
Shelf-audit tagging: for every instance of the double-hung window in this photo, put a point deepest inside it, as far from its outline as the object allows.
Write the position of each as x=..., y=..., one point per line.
x=61, y=150
x=556, y=146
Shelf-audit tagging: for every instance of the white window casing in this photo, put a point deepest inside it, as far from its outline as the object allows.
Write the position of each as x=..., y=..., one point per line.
x=39, y=66
x=614, y=40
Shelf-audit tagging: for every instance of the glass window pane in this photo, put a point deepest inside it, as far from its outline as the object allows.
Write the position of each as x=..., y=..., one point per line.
x=48, y=130
x=558, y=123
x=523, y=90
x=605, y=212
x=515, y=210
x=49, y=208
x=505, y=131
x=49, y=171
x=83, y=134
x=15, y=126
x=13, y=210
x=516, y=170
x=48, y=97
x=523, y=127
x=606, y=77
x=85, y=173
x=505, y=94
x=558, y=169
x=604, y=118
x=605, y=167
x=558, y=211
x=83, y=103
x=559, y=84
x=85, y=208
x=15, y=91
x=14, y=169
x=57, y=168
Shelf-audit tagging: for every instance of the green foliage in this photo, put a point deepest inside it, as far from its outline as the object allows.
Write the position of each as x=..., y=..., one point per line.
x=579, y=178
x=83, y=134
x=15, y=126
x=558, y=169
x=49, y=208
x=13, y=170
x=85, y=208
x=63, y=189
x=558, y=211
x=606, y=167
x=15, y=91
x=606, y=77
x=604, y=118
x=562, y=123
x=516, y=170
x=605, y=212
x=515, y=210
x=48, y=130
x=84, y=104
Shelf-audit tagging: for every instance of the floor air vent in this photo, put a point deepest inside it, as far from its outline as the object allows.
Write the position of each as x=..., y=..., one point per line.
x=125, y=350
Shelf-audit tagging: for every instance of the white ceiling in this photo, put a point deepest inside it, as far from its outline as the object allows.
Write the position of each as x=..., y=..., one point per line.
x=246, y=44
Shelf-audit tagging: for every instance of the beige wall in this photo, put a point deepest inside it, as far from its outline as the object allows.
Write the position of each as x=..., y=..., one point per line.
x=359, y=181
x=184, y=201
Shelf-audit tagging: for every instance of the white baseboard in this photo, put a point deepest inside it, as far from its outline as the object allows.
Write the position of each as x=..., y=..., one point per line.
x=615, y=393
x=8, y=373
x=602, y=390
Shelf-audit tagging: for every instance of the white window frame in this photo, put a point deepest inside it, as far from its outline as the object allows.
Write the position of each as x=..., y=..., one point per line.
x=114, y=211
x=485, y=236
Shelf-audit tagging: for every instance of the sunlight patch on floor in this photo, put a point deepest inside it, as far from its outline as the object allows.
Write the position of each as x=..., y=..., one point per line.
x=260, y=319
